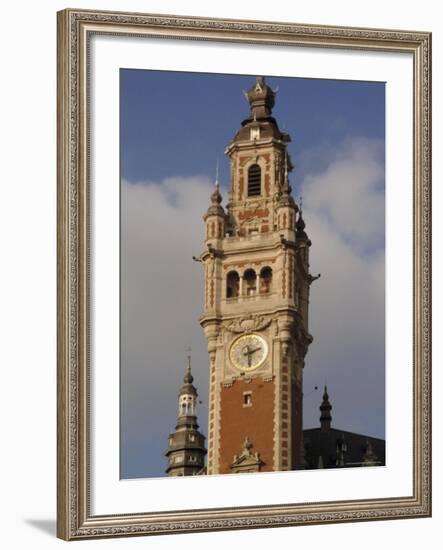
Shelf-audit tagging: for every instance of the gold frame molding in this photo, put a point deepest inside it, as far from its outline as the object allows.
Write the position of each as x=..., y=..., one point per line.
x=75, y=27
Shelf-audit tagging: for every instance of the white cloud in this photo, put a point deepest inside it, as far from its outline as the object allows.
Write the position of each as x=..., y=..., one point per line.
x=161, y=301
x=344, y=212
x=349, y=193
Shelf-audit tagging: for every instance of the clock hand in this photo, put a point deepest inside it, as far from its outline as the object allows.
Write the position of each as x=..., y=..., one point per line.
x=251, y=351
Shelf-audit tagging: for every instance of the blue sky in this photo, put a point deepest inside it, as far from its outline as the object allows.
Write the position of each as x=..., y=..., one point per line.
x=174, y=127
x=180, y=123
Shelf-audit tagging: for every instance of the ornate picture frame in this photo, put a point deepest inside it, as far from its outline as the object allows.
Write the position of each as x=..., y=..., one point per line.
x=75, y=31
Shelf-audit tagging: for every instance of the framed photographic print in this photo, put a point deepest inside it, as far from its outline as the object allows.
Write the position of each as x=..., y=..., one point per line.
x=243, y=274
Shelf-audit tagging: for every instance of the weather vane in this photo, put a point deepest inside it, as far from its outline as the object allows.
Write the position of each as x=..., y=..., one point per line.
x=188, y=351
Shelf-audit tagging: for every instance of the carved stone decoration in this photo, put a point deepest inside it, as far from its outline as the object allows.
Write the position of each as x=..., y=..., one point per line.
x=248, y=323
x=247, y=461
x=303, y=340
x=276, y=330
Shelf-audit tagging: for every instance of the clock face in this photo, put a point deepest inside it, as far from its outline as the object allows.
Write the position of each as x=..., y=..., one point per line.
x=248, y=352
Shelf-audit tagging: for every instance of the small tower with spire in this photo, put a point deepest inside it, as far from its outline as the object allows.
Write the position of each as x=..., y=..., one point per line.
x=186, y=446
x=215, y=231
x=329, y=447
x=286, y=207
x=325, y=410
x=215, y=216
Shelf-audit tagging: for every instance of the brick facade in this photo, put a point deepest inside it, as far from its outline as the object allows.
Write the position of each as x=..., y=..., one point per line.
x=239, y=420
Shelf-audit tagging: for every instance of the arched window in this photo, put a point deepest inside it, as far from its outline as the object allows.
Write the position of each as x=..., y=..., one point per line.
x=187, y=405
x=232, y=285
x=254, y=181
x=250, y=280
x=265, y=280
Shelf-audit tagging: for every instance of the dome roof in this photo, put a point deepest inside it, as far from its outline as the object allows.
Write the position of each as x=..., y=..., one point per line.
x=261, y=99
x=188, y=388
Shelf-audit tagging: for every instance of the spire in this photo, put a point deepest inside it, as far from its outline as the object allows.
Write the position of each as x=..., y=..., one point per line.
x=188, y=378
x=216, y=197
x=325, y=409
x=216, y=209
x=187, y=387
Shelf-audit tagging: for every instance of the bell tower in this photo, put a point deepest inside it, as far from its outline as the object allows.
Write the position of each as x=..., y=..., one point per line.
x=255, y=319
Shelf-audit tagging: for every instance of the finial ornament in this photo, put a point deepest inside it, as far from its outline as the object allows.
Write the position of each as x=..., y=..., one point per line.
x=325, y=393
x=259, y=83
x=188, y=378
x=286, y=186
x=215, y=208
x=261, y=99
x=216, y=197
